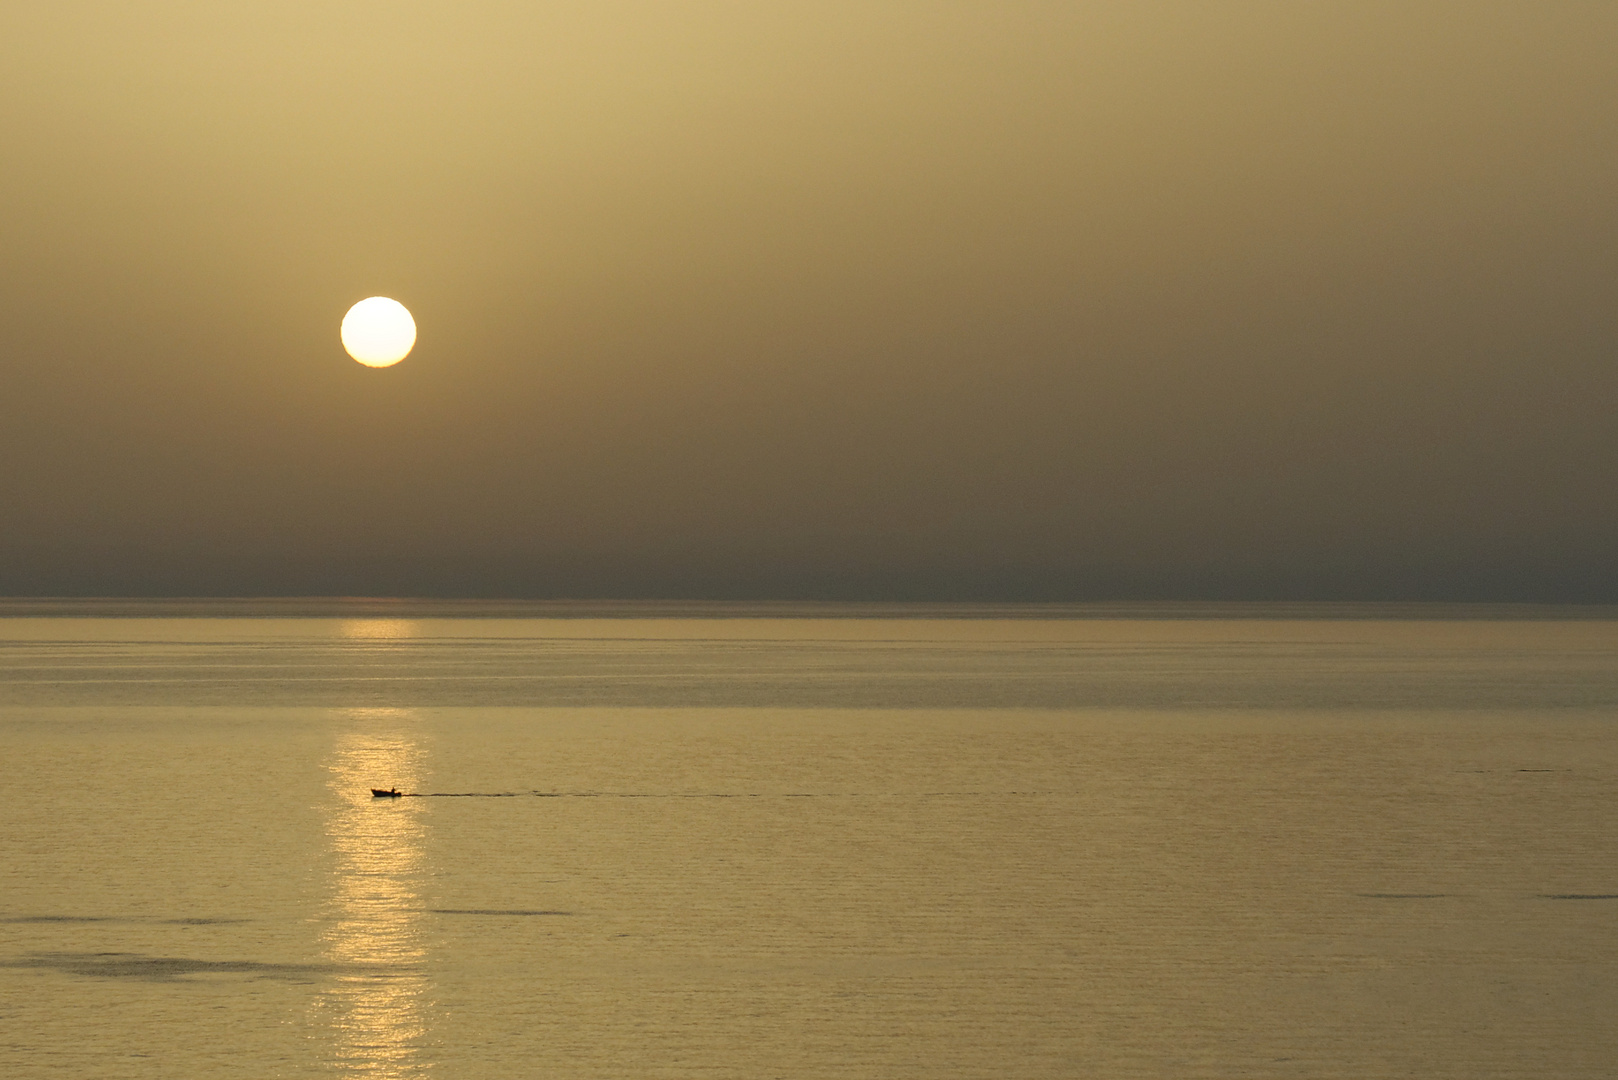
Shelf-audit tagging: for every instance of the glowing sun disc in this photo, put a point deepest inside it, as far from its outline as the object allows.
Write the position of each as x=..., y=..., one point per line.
x=378, y=332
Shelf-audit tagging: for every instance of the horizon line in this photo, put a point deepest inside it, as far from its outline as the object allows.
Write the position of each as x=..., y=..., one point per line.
x=427, y=607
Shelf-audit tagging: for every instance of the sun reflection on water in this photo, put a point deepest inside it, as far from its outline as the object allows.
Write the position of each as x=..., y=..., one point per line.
x=375, y=1008
x=379, y=630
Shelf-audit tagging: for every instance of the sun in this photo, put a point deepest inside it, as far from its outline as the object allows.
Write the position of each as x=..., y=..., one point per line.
x=378, y=332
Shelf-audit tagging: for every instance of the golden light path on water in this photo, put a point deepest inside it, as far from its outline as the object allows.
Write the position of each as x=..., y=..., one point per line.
x=378, y=630
x=374, y=1008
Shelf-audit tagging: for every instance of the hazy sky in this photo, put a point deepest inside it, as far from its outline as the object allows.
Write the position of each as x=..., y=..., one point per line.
x=792, y=299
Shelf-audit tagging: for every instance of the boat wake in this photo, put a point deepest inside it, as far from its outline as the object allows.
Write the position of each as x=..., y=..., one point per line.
x=706, y=794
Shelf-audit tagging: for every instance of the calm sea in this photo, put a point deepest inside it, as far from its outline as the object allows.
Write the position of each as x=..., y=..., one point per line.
x=867, y=842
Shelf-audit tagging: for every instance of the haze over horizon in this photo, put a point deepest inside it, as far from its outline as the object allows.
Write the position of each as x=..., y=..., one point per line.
x=1026, y=301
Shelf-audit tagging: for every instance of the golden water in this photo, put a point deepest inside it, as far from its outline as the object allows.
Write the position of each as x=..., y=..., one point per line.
x=808, y=848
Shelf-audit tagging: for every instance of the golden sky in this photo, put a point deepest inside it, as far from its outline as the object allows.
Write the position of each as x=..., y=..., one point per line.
x=877, y=299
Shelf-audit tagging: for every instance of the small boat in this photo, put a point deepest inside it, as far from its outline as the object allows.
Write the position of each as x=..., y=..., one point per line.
x=391, y=793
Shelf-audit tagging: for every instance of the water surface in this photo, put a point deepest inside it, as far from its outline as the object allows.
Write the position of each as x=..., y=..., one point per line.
x=665, y=843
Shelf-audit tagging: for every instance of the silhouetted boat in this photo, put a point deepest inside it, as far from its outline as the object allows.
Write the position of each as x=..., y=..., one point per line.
x=391, y=793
